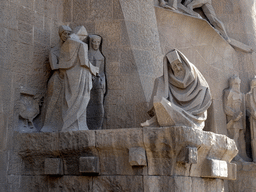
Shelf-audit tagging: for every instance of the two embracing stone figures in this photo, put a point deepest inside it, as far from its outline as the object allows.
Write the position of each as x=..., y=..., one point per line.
x=78, y=72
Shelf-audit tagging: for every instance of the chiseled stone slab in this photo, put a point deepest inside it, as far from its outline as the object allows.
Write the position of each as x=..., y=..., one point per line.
x=232, y=171
x=213, y=168
x=53, y=166
x=137, y=156
x=89, y=165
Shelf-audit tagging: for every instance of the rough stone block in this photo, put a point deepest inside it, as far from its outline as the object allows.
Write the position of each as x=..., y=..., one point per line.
x=53, y=166
x=89, y=165
x=137, y=156
x=188, y=155
x=213, y=168
x=232, y=171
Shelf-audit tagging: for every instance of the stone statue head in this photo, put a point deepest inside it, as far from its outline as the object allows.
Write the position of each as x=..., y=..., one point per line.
x=95, y=42
x=81, y=32
x=176, y=64
x=64, y=32
x=234, y=83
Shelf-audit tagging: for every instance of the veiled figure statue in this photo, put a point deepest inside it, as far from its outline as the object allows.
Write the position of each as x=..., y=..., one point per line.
x=181, y=96
x=77, y=72
x=95, y=109
x=251, y=107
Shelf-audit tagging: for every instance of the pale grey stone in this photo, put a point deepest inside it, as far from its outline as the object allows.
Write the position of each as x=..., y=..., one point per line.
x=53, y=166
x=213, y=168
x=234, y=107
x=210, y=14
x=137, y=156
x=240, y=46
x=95, y=120
x=74, y=60
x=118, y=183
x=28, y=110
x=163, y=147
x=89, y=165
x=182, y=108
x=188, y=155
x=53, y=103
x=232, y=171
x=251, y=107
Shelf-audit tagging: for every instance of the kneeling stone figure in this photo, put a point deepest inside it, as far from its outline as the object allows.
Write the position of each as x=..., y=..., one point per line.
x=181, y=96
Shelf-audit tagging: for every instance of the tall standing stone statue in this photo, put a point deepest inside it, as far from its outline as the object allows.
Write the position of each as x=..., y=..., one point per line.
x=251, y=107
x=53, y=103
x=181, y=96
x=95, y=109
x=77, y=71
x=234, y=109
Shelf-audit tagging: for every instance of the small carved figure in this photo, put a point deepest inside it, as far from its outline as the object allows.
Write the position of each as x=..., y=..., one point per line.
x=77, y=72
x=251, y=106
x=53, y=104
x=210, y=14
x=233, y=107
x=95, y=109
x=181, y=96
x=29, y=109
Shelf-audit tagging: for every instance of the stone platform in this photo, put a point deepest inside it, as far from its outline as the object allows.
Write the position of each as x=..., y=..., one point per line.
x=135, y=159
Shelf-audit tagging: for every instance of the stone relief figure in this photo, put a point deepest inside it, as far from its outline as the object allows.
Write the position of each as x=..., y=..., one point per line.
x=53, y=103
x=210, y=14
x=77, y=73
x=251, y=107
x=233, y=106
x=95, y=109
x=181, y=96
x=29, y=108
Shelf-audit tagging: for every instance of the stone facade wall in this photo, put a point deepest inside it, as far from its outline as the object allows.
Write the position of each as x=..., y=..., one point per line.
x=131, y=45
x=28, y=29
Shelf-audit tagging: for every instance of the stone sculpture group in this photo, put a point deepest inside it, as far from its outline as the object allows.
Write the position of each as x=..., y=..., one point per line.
x=77, y=71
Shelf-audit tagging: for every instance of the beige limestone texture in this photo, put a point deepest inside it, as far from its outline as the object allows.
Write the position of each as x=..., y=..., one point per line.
x=129, y=28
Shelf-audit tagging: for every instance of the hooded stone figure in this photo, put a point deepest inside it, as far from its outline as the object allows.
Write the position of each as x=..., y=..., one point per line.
x=95, y=110
x=181, y=96
x=77, y=71
x=251, y=107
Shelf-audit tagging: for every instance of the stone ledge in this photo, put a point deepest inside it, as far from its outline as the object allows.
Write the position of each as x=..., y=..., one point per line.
x=164, y=148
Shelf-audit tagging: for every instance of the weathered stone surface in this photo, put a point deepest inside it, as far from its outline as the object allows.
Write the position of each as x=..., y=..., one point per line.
x=113, y=147
x=89, y=165
x=188, y=155
x=214, y=169
x=53, y=166
x=164, y=145
x=137, y=156
x=118, y=183
x=181, y=184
